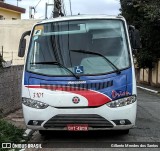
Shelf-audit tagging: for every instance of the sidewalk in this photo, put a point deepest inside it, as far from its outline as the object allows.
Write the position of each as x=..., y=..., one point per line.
x=16, y=118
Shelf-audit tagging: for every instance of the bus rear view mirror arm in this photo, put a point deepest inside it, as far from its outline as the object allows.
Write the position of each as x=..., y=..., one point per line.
x=22, y=44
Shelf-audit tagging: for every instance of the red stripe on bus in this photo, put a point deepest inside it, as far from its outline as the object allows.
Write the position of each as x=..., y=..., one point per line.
x=94, y=98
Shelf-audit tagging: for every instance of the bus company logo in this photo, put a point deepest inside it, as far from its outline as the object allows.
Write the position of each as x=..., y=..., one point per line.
x=119, y=93
x=77, y=82
x=75, y=100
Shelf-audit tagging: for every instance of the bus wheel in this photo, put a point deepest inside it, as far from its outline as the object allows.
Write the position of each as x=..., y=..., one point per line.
x=124, y=132
x=43, y=132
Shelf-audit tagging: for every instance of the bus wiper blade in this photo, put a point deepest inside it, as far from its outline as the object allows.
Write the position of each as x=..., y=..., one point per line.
x=59, y=64
x=98, y=54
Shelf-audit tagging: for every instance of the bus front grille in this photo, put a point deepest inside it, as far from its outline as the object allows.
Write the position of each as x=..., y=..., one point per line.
x=93, y=121
x=77, y=87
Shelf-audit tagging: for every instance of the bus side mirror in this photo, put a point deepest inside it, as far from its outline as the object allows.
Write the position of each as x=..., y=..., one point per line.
x=22, y=47
x=134, y=37
x=22, y=44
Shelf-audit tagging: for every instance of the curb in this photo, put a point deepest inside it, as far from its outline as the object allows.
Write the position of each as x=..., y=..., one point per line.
x=150, y=90
x=28, y=132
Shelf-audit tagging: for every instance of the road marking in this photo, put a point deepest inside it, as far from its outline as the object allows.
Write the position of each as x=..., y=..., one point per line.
x=154, y=91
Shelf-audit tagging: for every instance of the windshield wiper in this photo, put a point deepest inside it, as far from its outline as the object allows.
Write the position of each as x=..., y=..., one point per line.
x=98, y=54
x=59, y=64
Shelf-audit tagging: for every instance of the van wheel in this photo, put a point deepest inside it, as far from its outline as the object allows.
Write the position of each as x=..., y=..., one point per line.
x=43, y=132
x=124, y=132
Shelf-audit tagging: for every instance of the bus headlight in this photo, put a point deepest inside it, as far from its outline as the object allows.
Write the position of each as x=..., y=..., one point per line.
x=34, y=104
x=122, y=102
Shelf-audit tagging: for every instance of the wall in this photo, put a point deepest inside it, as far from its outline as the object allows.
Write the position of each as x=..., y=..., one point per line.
x=10, y=88
x=153, y=78
x=158, y=71
x=10, y=34
x=9, y=14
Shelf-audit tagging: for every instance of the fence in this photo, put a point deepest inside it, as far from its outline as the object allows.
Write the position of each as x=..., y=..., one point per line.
x=151, y=77
x=10, y=34
x=11, y=56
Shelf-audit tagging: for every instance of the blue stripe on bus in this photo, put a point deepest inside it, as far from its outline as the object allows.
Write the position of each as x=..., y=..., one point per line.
x=121, y=85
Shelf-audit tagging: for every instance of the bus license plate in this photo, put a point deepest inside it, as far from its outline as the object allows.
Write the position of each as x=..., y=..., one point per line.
x=77, y=127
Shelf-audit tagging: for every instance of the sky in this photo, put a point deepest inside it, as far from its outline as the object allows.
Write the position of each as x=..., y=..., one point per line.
x=109, y=7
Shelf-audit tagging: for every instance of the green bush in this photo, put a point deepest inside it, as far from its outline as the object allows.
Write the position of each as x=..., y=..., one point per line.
x=10, y=133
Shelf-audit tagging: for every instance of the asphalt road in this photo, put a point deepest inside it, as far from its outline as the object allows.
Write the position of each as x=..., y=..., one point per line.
x=147, y=130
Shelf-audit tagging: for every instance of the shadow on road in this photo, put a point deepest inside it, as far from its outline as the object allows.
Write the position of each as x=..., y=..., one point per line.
x=65, y=139
x=82, y=135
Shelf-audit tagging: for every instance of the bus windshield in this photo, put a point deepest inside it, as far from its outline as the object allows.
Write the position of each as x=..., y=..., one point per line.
x=55, y=42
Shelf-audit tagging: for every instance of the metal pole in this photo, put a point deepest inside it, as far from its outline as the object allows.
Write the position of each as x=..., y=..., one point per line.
x=30, y=12
x=70, y=7
x=2, y=52
x=46, y=11
x=12, y=56
x=17, y=2
x=56, y=9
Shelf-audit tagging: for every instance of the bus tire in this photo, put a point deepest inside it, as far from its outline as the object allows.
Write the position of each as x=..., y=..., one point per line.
x=43, y=132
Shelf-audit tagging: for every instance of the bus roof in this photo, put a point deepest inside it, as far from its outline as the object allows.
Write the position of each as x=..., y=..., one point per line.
x=78, y=17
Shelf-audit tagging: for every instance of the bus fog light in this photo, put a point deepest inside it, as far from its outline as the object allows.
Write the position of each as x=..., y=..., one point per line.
x=122, y=102
x=35, y=122
x=34, y=104
x=122, y=122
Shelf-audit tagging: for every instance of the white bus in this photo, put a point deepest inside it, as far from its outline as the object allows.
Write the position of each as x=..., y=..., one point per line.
x=79, y=74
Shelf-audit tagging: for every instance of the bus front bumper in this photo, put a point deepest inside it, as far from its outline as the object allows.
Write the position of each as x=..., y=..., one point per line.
x=100, y=118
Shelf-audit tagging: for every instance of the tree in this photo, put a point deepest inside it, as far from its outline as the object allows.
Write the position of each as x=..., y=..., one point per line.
x=144, y=15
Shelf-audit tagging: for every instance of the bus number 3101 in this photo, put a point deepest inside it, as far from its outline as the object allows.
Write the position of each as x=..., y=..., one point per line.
x=38, y=95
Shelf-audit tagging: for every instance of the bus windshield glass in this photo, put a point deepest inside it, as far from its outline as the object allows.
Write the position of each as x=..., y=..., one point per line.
x=66, y=42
